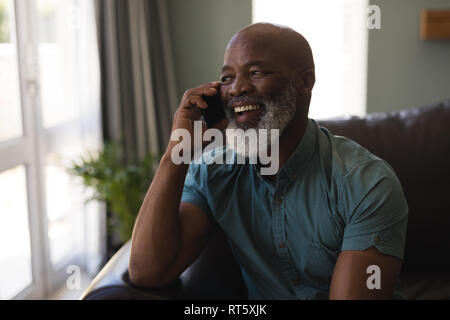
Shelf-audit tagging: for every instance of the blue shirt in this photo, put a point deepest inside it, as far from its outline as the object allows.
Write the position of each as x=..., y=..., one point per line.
x=331, y=195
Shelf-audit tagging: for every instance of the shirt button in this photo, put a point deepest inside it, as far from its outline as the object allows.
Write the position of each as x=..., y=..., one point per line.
x=281, y=245
x=278, y=200
x=376, y=239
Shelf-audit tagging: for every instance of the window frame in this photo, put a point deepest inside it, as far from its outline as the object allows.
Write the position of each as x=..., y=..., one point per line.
x=31, y=150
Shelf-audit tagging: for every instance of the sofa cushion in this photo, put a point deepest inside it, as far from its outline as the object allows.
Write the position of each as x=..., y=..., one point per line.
x=419, y=286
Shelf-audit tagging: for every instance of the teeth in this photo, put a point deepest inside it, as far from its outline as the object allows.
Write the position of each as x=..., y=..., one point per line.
x=246, y=108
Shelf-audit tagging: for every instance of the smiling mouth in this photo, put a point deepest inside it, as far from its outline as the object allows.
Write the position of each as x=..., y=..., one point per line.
x=240, y=110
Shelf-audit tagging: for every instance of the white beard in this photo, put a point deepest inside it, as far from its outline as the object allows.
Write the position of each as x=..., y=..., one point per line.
x=278, y=114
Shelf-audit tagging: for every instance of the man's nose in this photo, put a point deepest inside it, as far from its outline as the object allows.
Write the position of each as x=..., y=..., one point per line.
x=241, y=86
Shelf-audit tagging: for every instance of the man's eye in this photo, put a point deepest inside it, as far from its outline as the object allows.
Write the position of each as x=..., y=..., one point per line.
x=225, y=78
x=257, y=73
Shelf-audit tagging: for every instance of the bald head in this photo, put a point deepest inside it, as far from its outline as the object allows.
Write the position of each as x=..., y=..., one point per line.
x=269, y=66
x=283, y=41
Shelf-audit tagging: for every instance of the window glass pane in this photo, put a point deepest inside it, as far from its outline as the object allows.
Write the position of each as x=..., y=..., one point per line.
x=93, y=243
x=10, y=108
x=15, y=251
x=69, y=75
x=58, y=45
x=65, y=206
x=337, y=33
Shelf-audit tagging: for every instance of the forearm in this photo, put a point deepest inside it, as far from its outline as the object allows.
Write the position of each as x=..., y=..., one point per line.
x=156, y=236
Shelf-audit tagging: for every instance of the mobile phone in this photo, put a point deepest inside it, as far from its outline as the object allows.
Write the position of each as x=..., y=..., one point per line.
x=214, y=113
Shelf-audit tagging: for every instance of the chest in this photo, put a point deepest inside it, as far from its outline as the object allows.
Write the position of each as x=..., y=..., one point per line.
x=296, y=213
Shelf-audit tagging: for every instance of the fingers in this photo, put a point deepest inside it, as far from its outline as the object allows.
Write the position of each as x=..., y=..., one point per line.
x=197, y=101
x=192, y=103
x=205, y=89
x=193, y=97
x=211, y=88
x=210, y=91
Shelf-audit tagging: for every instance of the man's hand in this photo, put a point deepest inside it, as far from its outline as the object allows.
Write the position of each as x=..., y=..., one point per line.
x=350, y=275
x=189, y=109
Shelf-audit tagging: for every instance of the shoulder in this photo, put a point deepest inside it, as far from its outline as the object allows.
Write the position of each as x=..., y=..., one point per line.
x=361, y=178
x=348, y=158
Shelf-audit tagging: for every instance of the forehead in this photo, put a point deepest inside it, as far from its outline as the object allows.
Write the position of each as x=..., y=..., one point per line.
x=244, y=50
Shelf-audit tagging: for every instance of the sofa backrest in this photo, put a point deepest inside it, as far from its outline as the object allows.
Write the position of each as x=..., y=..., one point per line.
x=416, y=143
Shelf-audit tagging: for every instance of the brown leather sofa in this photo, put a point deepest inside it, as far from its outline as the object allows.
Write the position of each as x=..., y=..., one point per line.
x=415, y=142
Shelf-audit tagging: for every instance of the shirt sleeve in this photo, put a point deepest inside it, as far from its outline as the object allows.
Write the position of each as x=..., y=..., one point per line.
x=194, y=190
x=375, y=209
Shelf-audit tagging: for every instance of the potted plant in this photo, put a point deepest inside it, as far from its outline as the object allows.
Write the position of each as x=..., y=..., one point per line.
x=122, y=187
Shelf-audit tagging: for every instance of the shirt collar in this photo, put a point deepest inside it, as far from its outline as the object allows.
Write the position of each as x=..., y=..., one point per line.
x=302, y=154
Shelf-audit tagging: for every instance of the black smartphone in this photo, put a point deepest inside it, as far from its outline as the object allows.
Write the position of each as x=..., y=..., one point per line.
x=214, y=113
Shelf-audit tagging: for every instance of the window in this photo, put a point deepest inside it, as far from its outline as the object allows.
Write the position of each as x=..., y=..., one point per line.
x=10, y=112
x=15, y=265
x=49, y=116
x=337, y=33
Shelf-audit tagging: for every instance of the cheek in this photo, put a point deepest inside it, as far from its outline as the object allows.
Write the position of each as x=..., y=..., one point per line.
x=271, y=89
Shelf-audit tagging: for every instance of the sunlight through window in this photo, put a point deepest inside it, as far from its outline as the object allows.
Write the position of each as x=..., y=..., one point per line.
x=337, y=33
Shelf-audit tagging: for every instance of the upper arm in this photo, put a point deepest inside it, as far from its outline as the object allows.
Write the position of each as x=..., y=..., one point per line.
x=351, y=275
x=376, y=214
x=374, y=210
x=195, y=228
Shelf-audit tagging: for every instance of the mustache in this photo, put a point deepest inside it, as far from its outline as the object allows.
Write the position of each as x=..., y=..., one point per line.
x=244, y=99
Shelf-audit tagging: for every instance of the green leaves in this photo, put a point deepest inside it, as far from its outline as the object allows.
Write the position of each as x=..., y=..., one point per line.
x=122, y=187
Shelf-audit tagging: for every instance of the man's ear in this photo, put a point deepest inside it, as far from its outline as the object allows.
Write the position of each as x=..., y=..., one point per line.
x=306, y=80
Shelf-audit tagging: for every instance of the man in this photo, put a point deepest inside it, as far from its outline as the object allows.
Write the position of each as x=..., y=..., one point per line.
x=312, y=230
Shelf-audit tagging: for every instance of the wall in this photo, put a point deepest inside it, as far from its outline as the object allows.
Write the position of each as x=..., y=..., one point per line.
x=404, y=71
x=200, y=31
